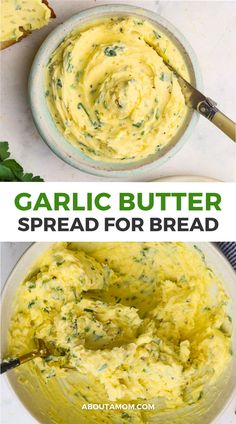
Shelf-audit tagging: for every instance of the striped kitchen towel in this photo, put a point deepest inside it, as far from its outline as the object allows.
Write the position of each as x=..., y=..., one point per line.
x=229, y=250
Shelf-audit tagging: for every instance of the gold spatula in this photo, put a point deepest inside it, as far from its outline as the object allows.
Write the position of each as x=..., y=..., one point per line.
x=42, y=351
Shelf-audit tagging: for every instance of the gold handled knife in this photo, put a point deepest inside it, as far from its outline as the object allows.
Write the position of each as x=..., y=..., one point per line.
x=205, y=106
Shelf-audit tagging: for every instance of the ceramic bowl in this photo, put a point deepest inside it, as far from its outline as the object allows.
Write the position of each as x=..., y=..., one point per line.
x=55, y=139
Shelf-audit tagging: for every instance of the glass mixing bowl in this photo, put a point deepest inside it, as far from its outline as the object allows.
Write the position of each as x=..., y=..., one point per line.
x=205, y=412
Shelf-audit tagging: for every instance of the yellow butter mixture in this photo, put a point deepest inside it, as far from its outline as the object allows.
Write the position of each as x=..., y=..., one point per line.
x=20, y=16
x=110, y=93
x=128, y=322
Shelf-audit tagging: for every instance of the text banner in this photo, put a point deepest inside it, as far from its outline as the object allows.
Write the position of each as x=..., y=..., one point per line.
x=117, y=211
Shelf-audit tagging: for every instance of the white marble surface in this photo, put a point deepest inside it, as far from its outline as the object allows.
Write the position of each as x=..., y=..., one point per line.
x=210, y=28
x=12, y=412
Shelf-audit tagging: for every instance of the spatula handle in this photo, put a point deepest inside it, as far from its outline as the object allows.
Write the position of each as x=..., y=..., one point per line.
x=208, y=109
x=13, y=363
x=8, y=365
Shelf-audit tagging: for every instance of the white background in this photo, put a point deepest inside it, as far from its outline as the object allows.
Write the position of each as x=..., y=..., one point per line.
x=13, y=412
x=209, y=27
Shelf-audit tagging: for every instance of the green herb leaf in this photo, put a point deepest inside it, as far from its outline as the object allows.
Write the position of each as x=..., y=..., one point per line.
x=59, y=83
x=94, y=123
x=4, y=153
x=30, y=304
x=125, y=415
x=6, y=174
x=103, y=367
x=162, y=76
x=112, y=51
x=138, y=124
x=31, y=285
x=30, y=178
x=157, y=35
x=10, y=170
x=109, y=51
x=13, y=165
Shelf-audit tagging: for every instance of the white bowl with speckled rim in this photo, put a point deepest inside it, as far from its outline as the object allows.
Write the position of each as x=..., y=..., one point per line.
x=34, y=401
x=54, y=138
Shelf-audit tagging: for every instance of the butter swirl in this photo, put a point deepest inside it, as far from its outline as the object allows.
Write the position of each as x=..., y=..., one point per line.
x=110, y=92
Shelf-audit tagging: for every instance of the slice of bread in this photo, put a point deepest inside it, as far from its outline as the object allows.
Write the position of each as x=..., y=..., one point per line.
x=8, y=43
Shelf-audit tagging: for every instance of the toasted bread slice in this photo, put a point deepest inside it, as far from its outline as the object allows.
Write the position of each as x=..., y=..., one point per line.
x=8, y=43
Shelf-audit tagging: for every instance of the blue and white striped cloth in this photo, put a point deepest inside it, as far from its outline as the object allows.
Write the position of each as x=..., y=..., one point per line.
x=229, y=250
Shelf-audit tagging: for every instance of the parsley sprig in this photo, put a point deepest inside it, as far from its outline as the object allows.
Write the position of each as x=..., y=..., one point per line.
x=10, y=170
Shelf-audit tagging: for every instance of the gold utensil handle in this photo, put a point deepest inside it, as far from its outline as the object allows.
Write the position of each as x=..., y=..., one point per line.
x=225, y=124
x=29, y=356
x=208, y=109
